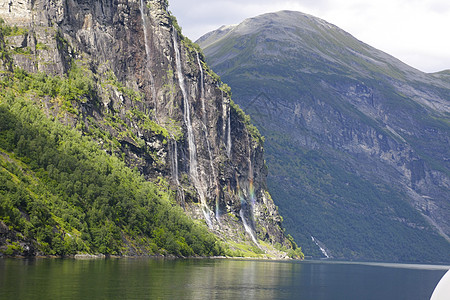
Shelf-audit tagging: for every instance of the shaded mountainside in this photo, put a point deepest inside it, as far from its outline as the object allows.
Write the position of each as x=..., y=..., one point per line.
x=357, y=142
x=146, y=125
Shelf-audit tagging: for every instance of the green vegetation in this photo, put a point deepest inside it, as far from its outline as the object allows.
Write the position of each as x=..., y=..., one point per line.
x=12, y=30
x=66, y=189
x=195, y=48
x=59, y=189
x=63, y=194
x=77, y=86
x=335, y=126
x=334, y=202
x=253, y=131
x=5, y=58
x=111, y=79
x=244, y=250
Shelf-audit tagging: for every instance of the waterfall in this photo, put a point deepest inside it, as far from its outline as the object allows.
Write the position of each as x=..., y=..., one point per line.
x=144, y=25
x=226, y=115
x=148, y=54
x=250, y=174
x=247, y=228
x=224, y=118
x=324, y=252
x=229, y=134
x=174, y=165
x=251, y=195
x=193, y=164
x=174, y=160
x=202, y=82
x=213, y=171
x=205, y=130
x=186, y=115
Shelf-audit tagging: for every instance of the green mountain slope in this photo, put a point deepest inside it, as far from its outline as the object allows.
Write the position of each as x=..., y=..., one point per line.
x=356, y=141
x=63, y=195
x=116, y=138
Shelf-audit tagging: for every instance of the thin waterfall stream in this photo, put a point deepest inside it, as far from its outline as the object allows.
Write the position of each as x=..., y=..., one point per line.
x=202, y=87
x=148, y=55
x=229, y=133
x=205, y=130
x=174, y=165
x=226, y=115
x=193, y=164
x=244, y=202
x=251, y=196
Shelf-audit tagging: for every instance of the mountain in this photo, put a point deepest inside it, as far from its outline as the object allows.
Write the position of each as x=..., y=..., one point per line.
x=357, y=142
x=116, y=138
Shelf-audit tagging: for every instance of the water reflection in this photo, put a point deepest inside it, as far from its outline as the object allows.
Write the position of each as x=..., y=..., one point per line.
x=210, y=279
x=140, y=279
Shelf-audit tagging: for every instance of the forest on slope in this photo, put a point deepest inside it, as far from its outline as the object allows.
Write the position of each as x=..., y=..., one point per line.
x=87, y=168
x=61, y=194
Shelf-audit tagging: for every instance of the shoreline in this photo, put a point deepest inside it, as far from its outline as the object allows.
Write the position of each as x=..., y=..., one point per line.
x=84, y=256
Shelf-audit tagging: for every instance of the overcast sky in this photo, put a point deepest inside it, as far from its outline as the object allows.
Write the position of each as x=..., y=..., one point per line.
x=415, y=31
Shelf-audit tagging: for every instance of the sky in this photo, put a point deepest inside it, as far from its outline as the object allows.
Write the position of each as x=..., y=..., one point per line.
x=415, y=31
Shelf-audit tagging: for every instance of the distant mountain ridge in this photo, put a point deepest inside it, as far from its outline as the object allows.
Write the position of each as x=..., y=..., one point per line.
x=357, y=142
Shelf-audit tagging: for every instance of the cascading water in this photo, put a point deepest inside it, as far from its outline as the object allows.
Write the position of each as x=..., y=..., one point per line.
x=224, y=118
x=174, y=160
x=324, y=252
x=144, y=25
x=229, y=134
x=205, y=130
x=148, y=54
x=250, y=176
x=251, y=196
x=244, y=203
x=213, y=171
x=202, y=86
x=193, y=164
x=226, y=115
x=174, y=165
x=247, y=228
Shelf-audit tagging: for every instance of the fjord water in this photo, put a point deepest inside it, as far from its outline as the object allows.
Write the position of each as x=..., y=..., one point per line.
x=213, y=279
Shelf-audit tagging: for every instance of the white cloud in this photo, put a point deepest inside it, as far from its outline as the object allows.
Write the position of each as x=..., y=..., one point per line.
x=415, y=31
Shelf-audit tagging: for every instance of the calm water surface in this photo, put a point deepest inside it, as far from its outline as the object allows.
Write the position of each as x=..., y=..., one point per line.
x=213, y=279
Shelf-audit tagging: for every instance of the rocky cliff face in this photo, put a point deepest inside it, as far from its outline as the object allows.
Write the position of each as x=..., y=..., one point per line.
x=355, y=138
x=155, y=103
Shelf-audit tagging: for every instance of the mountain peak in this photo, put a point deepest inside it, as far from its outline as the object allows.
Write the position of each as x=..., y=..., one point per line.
x=356, y=140
x=282, y=20
x=291, y=34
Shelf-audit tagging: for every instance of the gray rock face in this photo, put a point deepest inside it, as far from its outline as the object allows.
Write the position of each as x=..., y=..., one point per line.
x=157, y=98
x=353, y=135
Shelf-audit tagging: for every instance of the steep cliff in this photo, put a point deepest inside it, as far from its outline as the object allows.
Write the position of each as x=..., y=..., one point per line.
x=151, y=100
x=356, y=141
